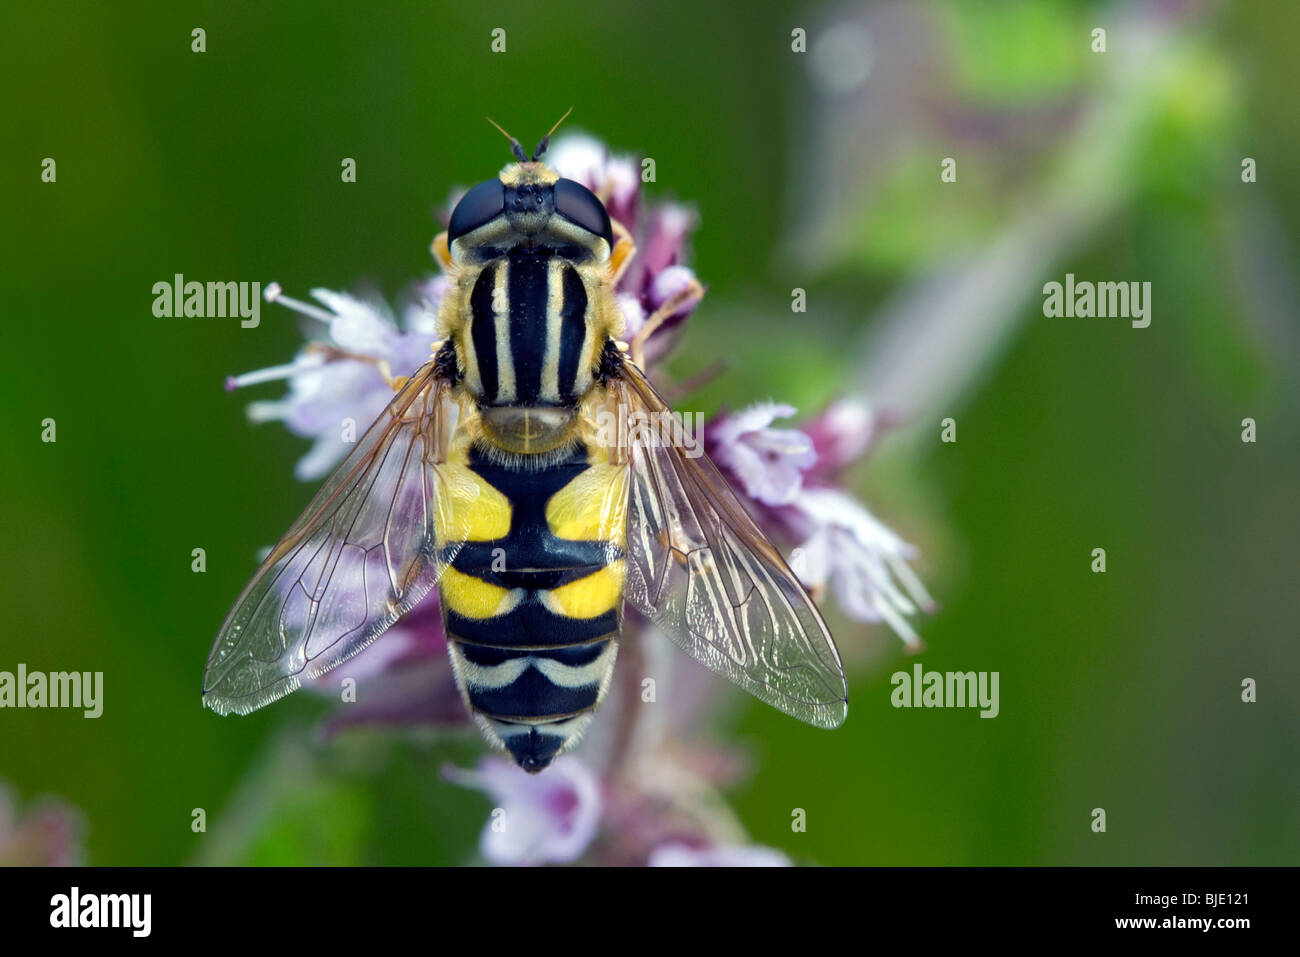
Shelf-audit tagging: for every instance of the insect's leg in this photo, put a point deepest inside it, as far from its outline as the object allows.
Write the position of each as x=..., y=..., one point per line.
x=689, y=296
x=621, y=256
x=442, y=251
x=333, y=353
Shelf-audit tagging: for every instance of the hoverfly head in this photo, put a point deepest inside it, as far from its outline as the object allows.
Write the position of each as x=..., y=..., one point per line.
x=534, y=248
x=529, y=204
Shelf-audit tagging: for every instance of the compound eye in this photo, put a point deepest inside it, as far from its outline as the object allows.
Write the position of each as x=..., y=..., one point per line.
x=482, y=204
x=580, y=206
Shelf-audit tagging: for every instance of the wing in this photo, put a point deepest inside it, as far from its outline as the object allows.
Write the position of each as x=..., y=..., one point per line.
x=708, y=577
x=371, y=544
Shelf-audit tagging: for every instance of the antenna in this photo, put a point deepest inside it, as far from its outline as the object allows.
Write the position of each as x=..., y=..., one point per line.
x=515, y=148
x=546, y=140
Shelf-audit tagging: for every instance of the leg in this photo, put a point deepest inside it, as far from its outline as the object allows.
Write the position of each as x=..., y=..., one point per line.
x=621, y=255
x=442, y=252
x=333, y=353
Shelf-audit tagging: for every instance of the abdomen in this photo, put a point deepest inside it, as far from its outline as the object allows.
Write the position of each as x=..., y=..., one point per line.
x=532, y=603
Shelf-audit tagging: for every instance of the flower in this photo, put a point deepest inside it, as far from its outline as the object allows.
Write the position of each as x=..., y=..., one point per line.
x=767, y=463
x=860, y=558
x=789, y=476
x=339, y=380
x=841, y=435
x=546, y=818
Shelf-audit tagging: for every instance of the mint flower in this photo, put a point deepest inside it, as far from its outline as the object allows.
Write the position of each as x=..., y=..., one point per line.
x=864, y=563
x=339, y=377
x=767, y=463
x=546, y=818
x=790, y=476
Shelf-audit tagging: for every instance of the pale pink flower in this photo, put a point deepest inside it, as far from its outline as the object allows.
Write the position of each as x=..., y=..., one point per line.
x=546, y=818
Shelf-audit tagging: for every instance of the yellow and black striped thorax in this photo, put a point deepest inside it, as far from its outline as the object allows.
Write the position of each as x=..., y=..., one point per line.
x=531, y=252
x=531, y=340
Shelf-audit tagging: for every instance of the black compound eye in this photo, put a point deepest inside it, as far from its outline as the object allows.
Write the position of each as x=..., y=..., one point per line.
x=480, y=205
x=579, y=205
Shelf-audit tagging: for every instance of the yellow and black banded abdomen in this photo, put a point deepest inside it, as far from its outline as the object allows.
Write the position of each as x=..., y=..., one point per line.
x=533, y=600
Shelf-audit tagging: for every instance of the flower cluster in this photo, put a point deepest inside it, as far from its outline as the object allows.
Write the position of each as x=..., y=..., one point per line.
x=638, y=793
x=790, y=477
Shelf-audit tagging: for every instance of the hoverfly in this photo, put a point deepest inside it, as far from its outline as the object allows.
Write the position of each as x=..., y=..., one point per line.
x=487, y=478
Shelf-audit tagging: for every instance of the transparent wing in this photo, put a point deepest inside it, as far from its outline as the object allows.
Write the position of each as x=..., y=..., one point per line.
x=371, y=544
x=708, y=577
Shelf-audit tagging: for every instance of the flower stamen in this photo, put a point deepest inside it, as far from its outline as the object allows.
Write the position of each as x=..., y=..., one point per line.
x=272, y=373
x=273, y=293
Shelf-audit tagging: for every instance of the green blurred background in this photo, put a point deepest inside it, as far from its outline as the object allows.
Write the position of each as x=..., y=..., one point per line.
x=1119, y=691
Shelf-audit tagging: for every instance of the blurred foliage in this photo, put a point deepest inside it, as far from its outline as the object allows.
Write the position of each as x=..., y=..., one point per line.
x=1119, y=691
